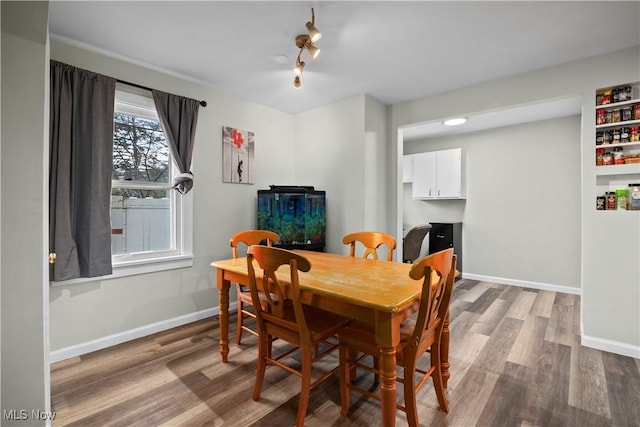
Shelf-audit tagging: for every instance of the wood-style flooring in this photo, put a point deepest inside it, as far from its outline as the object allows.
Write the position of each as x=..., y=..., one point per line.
x=516, y=360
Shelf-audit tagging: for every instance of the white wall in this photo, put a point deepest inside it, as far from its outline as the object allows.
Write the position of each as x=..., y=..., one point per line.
x=377, y=179
x=610, y=296
x=329, y=149
x=99, y=310
x=523, y=198
x=24, y=145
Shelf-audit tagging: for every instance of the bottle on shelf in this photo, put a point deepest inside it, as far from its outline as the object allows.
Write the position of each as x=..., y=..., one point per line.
x=634, y=197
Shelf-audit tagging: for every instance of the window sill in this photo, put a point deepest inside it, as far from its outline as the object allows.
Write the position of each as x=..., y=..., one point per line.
x=132, y=268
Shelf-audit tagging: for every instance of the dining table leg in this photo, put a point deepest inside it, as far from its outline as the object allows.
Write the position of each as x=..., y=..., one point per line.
x=388, y=389
x=223, y=288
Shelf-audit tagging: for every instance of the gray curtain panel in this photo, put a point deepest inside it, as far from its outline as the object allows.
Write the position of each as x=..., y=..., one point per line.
x=81, y=163
x=179, y=117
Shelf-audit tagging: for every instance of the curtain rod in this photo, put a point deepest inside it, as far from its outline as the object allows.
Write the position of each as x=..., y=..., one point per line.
x=203, y=103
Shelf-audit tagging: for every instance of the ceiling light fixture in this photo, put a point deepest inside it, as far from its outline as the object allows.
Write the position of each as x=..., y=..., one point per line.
x=312, y=31
x=306, y=41
x=299, y=66
x=297, y=83
x=454, y=121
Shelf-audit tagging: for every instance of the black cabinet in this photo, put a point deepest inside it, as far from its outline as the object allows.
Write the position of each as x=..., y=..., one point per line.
x=444, y=235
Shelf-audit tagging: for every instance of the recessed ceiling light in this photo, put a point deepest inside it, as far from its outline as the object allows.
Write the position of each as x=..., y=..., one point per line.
x=280, y=58
x=455, y=121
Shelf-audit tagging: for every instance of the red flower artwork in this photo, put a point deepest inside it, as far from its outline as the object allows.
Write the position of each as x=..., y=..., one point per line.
x=237, y=138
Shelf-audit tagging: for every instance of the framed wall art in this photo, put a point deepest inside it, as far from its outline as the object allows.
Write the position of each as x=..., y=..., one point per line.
x=237, y=155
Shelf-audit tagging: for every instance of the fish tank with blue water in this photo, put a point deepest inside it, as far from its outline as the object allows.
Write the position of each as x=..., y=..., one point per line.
x=296, y=213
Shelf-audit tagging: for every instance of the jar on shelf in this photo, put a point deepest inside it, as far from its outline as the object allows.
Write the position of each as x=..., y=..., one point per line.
x=607, y=159
x=611, y=201
x=607, y=117
x=599, y=137
x=606, y=97
x=636, y=111
x=621, y=199
x=615, y=136
x=627, y=113
x=634, y=197
x=600, y=117
x=634, y=134
x=607, y=136
x=599, y=154
x=624, y=94
x=624, y=134
x=616, y=115
x=618, y=158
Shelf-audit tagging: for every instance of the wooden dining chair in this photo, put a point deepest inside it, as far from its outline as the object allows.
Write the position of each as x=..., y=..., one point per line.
x=305, y=327
x=248, y=238
x=371, y=240
x=417, y=337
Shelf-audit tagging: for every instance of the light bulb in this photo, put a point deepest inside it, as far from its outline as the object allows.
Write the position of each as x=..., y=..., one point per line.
x=313, y=50
x=313, y=32
x=299, y=67
x=297, y=83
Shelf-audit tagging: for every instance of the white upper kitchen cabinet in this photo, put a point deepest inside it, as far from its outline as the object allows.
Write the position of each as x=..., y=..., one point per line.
x=439, y=175
x=407, y=168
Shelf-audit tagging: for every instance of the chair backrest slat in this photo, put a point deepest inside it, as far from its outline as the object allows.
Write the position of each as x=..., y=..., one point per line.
x=371, y=240
x=252, y=237
x=270, y=259
x=435, y=297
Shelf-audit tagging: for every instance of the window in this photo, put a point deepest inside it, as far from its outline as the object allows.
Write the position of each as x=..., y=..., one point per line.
x=150, y=222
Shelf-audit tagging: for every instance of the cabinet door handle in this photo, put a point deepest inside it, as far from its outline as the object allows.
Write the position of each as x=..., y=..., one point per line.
x=439, y=236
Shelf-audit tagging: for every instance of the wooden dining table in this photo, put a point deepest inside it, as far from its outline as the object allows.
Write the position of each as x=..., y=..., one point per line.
x=377, y=292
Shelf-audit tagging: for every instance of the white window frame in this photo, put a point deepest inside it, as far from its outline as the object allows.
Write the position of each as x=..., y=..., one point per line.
x=182, y=218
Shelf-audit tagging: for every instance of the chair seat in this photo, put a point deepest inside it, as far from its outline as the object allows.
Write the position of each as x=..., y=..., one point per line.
x=244, y=295
x=322, y=324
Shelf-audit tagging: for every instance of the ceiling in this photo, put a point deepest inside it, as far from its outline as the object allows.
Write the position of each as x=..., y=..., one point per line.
x=491, y=119
x=393, y=51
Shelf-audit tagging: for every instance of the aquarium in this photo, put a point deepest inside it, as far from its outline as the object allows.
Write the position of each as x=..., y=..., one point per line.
x=297, y=214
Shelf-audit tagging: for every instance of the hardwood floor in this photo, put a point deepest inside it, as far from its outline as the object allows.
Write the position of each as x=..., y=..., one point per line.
x=515, y=361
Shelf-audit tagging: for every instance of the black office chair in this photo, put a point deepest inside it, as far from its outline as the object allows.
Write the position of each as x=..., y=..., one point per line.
x=412, y=242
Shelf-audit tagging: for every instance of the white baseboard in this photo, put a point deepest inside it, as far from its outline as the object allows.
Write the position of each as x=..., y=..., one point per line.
x=524, y=284
x=611, y=346
x=132, y=334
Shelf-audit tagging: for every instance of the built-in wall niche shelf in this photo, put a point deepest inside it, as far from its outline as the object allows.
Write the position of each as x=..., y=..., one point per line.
x=617, y=135
x=617, y=146
x=629, y=123
x=626, y=169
